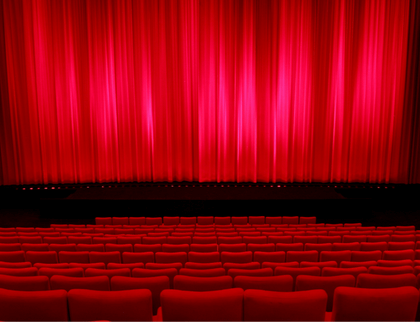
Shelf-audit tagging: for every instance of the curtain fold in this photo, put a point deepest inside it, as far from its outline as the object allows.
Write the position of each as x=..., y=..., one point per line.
x=209, y=91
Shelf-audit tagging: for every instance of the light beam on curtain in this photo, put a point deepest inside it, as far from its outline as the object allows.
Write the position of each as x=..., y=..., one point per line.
x=209, y=90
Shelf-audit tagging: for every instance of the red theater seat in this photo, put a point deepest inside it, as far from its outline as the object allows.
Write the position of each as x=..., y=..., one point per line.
x=211, y=272
x=34, y=247
x=319, y=264
x=62, y=247
x=355, y=271
x=74, y=272
x=301, y=256
x=362, y=256
x=202, y=284
x=67, y=283
x=105, y=257
x=194, y=265
x=250, y=272
x=90, y=247
x=178, y=257
x=15, y=264
x=297, y=271
x=203, y=248
x=374, y=246
x=146, y=257
x=286, y=247
x=199, y=257
x=28, y=271
x=326, y=283
x=268, y=283
x=16, y=256
x=103, y=220
x=274, y=257
x=391, y=263
x=90, y=272
x=24, y=283
x=154, y=284
x=205, y=220
x=379, y=270
x=175, y=248
x=178, y=266
x=367, y=264
x=120, y=220
x=284, y=306
x=223, y=305
x=250, y=265
x=385, y=281
x=239, y=257
x=85, y=266
x=143, y=272
x=399, y=254
x=232, y=247
x=129, y=305
x=33, y=306
x=253, y=220
x=337, y=256
x=390, y=304
x=73, y=257
x=131, y=266
x=307, y=220
x=10, y=247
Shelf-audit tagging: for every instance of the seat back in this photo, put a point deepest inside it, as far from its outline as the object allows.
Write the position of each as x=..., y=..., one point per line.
x=388, y=304
x=284, y=306
x=130, y=305
x=24, y=283
x=95, y=283
x=385, y=281
x=223, y=305
x=154, y=284
x=33, y=306
x=282, y=283
x=202, y=284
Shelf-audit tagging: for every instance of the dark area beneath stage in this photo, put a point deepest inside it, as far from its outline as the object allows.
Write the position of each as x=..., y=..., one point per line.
x=370, y=205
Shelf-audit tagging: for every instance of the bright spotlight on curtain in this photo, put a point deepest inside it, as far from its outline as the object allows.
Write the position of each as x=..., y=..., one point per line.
x=209, y=90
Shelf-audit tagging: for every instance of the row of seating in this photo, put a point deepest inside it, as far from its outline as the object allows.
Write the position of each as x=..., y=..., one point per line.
x=204, y=220
x=223, y=305
x=224, y=255
x=222, y=238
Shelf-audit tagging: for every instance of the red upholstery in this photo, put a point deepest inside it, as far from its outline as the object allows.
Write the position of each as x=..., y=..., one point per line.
x=223, y=305
x=338, y=256
x=240, y=257
x=367, y=264
x=380, y=270
x=55, y=240
x=35, y=247
x=24, y=283
x=286, y=247
x=89, y=265
x=178, y=266
x=118, y=248
x=203, y=257
x=394, y=263
x=130, y=305
x=295, y=272
x=362, y=256
x=326, y=283
x=169, y=272
x=17, y=256
x=202, y=272
x=141, y=248
x=174, y=248
x=154, y=284
x=73, y=257
x=399, y=254
x=282, y=283
x=371, y=246
x=33, y=306
x=204, y=248
x=276, y=257
x=290, y=220
x=203, y=265
x=103, y=220
x=205, y=220
x=202, y=284
x=318, y=247
x=251, y=265
x=274, y=265
x=233, y=272
x=15, y=247
x=95, y=283
x=389, y=304
x=302, y=256
x=178, y=257
x=147, y=257
x=240, y=247
x=355, y=271
x=54, y=265
x=74, y=272
x=105, y=257
x=27, y=271
x=129, y=266
x=153, y=221
x=385, y=281
x=284, y=306
x=319, y=264
x=15, y=264
x=90, y=247
x=307, y=220
x=108, y=272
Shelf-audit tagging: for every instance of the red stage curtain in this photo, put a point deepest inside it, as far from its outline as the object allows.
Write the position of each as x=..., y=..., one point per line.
x=209, y=90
